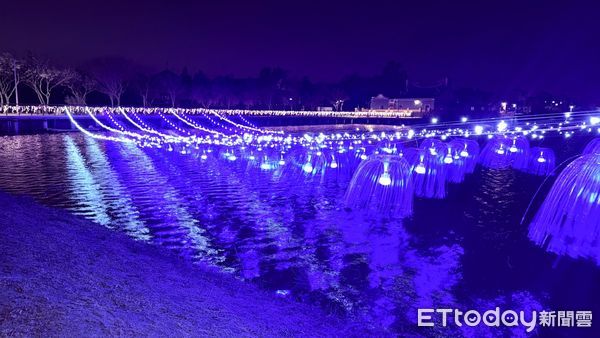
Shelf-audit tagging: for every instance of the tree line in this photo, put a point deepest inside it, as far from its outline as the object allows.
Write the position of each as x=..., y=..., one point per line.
x=117, y=81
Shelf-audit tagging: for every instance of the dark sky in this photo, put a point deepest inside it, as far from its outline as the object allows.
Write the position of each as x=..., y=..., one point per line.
x=494, y=45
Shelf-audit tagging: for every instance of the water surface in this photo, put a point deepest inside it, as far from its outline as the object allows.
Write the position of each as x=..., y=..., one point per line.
x=290, y=234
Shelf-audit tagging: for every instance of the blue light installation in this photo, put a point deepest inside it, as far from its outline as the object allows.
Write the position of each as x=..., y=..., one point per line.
x=568, y=221
x=518, y=152
x=593, y=147
x=390, y=148
x=434, y=146
x=468, y=150
x=460, y=159
x=541, y=161
x=382, y=185
x=428, y=170
x=455, y=163
x=502, y=152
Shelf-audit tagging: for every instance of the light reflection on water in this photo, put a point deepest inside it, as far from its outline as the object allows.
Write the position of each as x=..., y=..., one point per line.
x=288, y=232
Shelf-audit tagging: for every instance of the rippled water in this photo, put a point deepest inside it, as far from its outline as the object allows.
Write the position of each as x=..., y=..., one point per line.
x=289, y=233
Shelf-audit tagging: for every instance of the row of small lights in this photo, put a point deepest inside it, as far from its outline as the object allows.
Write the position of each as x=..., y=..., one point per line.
x=501, y=127
x=384, y=179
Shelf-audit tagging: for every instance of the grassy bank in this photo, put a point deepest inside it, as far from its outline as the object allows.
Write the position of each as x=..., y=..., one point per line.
x=61, y=275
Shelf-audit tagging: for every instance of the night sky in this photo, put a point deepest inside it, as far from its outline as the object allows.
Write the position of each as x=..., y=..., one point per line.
x=499, y=46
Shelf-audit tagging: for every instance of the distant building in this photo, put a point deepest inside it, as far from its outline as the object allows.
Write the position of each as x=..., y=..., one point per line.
x=508, y=109
x=324, y=108
x=404, y=107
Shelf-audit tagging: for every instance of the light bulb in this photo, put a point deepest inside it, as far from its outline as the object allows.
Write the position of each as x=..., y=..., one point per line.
x=334, y=164
x=385, y=179
x=513, y=149
x=363, y=157
x=464, y=153
x=541, y=160
x=500, y=150
x=307, y=167
x=448, y=159
x=502, y=126
x=420, y=169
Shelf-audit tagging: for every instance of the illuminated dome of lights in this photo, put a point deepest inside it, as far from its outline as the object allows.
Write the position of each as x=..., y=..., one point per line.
x=541, y=161
x=503, y=151
x=382, y=185
x=568, y=222
x=429, y=169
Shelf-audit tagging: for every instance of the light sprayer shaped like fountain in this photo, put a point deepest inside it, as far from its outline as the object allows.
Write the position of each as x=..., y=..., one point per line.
x=383, y=186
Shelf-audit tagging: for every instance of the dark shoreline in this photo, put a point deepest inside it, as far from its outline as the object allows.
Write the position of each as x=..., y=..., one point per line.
x=62, y=275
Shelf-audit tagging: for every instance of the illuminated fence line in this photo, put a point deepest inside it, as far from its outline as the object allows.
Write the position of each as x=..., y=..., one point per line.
x=224, y=114
x=80, y=110
x=565, y=124
x=34, y=110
